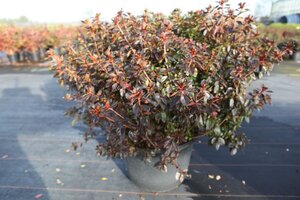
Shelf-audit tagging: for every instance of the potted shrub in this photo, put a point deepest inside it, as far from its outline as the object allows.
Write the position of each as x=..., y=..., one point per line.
x=10, y=36
x=33, y=41
x=155, y=84
x=59, y=35
x=44, y=35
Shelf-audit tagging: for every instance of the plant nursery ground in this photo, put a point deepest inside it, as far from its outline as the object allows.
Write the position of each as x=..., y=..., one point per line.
x=38, y=162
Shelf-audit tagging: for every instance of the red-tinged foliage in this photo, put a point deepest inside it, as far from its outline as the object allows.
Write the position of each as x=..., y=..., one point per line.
x=154, y=82
x=9, y=38
x=285, y=35
x=31, y=39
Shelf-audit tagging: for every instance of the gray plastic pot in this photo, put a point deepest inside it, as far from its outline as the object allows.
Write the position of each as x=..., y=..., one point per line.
x=149, y=177
x=297, y=56
x=12, y=58
x=35, y=56
x=42, y=52
x=21, y=56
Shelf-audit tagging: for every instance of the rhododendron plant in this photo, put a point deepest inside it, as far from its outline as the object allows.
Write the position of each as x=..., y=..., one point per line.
x=154, y=82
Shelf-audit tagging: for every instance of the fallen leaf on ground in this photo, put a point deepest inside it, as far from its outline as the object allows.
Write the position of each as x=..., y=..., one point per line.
x=211, y=176
x=218, y=177
x=38, y=196
x=59, y=182
x=142, y=198
x=82, y=165
x=104, y=179
x=5, y=156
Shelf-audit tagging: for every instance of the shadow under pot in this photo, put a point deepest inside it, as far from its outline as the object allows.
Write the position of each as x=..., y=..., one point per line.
x=147, y=176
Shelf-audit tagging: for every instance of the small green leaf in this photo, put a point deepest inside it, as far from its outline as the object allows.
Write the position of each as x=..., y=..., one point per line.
x=241, y=99
x=234, y=112
x=213, y=140
x=231, y=103
x=168, y=89
x=163, y=117
x=201, y=120
x=74, y=122
x=164, y=78
x=247, y=120
x=208, y=124
x=228, y=48
x=182, y=100
x=221, y=141
x=217, y=130
x=216, y=88
x=146, y=82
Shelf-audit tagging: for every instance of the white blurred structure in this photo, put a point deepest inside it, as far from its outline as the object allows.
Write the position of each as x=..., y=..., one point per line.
x=262, y=8
x=59, y=11
x=286, y=11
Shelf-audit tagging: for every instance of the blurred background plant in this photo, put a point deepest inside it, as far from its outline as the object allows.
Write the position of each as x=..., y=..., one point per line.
x=29, y=43
x=26, y=38
x=282, y=34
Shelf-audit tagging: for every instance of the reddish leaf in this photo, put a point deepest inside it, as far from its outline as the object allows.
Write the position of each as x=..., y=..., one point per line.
x=39, y=196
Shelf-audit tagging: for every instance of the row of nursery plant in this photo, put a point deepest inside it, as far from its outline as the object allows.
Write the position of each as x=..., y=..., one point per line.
x=282, y=34
x=29, y=43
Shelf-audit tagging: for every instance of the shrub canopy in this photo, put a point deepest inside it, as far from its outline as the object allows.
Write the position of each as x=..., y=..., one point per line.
x=154, y=82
